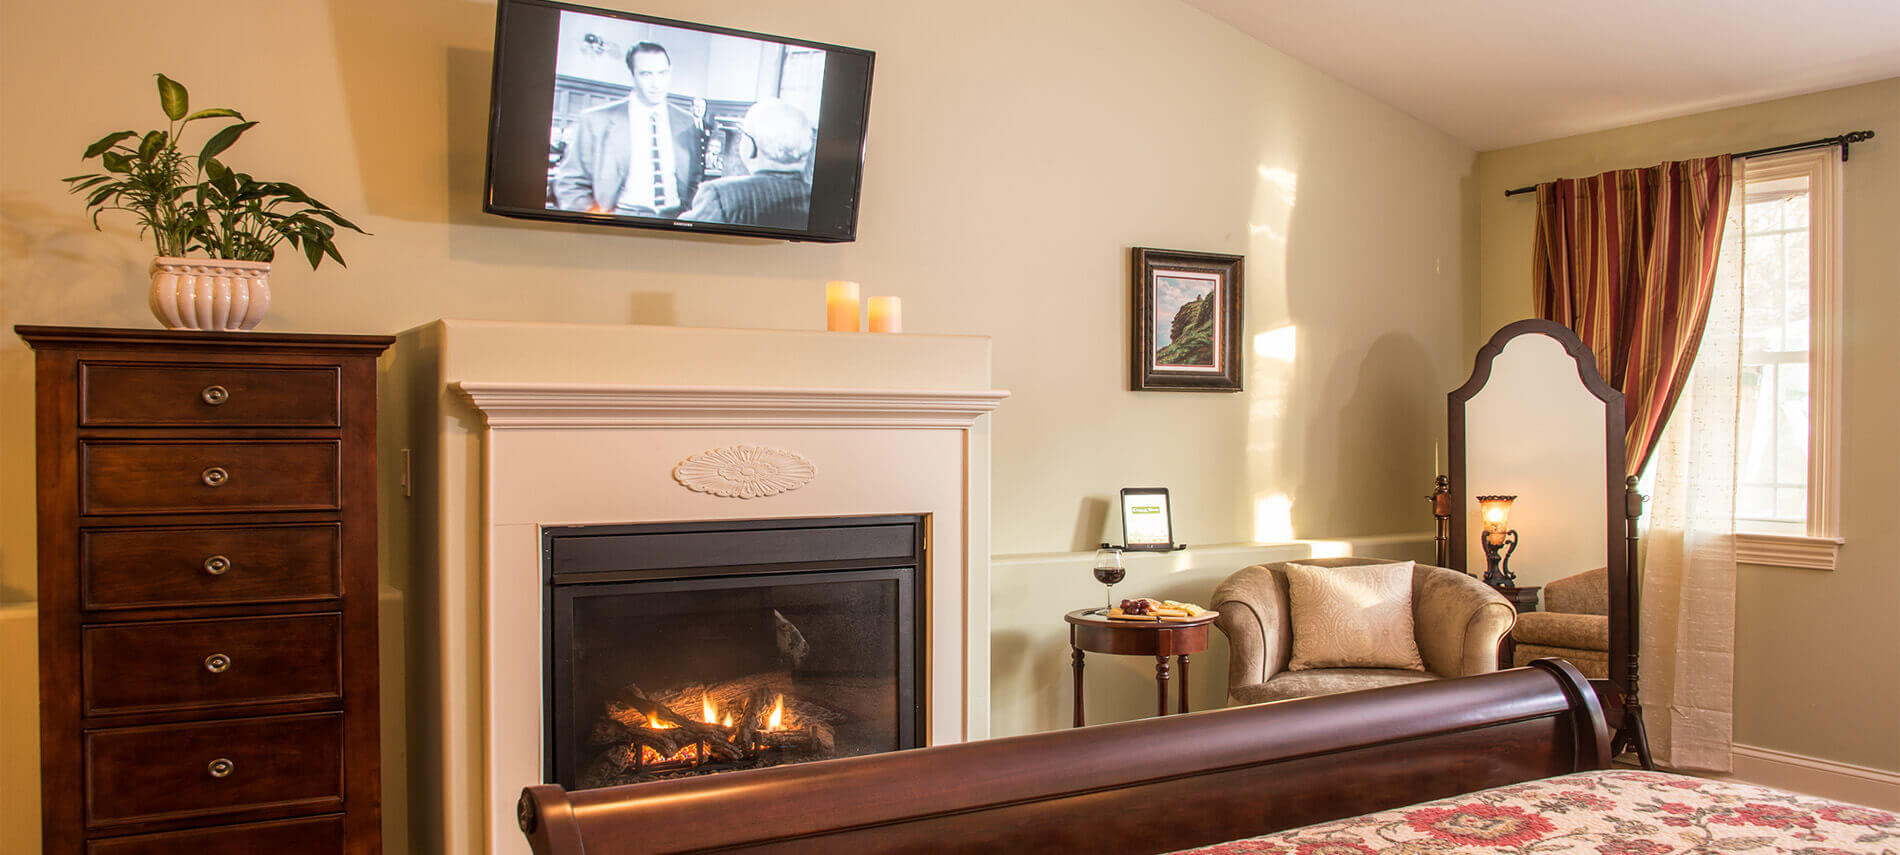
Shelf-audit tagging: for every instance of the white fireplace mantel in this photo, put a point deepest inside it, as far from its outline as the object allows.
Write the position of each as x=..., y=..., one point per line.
x=520, y=426
x=514, y=406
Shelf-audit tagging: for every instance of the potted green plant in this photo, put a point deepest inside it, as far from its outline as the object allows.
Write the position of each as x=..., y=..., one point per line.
x=197, y=204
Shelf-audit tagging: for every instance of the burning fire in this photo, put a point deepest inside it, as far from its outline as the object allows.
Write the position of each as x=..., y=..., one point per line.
x=711, y=715
x=689, y=753
x=775, y=720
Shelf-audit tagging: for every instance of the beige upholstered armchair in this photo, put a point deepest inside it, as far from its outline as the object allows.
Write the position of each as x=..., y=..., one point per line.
x=1574, y=625
x=1458, y=622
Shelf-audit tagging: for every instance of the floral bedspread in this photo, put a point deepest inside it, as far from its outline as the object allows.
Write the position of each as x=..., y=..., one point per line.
x=1614, y=812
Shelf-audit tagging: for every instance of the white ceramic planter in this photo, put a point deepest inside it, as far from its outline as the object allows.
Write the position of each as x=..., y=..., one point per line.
x=209, y=293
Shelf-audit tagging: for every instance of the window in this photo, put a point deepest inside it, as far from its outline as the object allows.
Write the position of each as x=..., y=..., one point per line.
x=1787, y=431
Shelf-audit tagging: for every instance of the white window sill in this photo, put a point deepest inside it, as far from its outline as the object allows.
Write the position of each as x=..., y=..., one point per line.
x=1786, y=550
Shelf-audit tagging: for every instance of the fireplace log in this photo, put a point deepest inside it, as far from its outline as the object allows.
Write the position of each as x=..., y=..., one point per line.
x=682, y=732
x=816, y=739
x=609, y=731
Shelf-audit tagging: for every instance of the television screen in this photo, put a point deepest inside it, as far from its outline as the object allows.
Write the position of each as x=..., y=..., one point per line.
x=609, y=117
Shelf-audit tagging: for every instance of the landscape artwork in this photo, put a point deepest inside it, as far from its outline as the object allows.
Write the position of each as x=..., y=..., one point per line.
x=1186, y=321
x=1186, y=307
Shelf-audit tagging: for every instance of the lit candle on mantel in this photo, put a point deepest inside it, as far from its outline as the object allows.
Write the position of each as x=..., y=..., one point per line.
x=887, y=314
x=841, y=306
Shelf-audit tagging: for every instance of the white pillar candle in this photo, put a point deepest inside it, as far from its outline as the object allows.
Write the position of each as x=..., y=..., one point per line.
x=841, y=306
x=887, y=314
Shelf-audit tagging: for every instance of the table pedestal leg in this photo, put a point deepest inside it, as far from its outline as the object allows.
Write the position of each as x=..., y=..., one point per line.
x=1078, y=685
x=1161, y=684
x=1183, y=706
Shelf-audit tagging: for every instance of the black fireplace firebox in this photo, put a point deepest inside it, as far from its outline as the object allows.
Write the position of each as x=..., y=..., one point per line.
x=689, y=648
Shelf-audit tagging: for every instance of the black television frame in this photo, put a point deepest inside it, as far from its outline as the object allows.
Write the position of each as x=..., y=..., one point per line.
x=495, y=131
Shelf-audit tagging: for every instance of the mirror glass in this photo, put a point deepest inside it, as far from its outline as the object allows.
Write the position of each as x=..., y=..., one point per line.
x=1535, y=431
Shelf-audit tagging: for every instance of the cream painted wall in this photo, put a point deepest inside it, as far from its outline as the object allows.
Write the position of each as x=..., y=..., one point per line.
x=1017, y=150
x=1817, y=673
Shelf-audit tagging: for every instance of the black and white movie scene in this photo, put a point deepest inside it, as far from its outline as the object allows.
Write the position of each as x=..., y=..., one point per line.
x=657, y=121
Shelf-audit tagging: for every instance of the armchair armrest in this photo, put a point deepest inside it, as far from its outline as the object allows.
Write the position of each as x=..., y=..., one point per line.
x=1562, y=629
x=1254, y=617
x=1459, y=621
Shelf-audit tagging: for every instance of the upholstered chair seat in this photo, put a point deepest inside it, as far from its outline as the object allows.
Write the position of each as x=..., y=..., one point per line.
x=1287, y=685
x=1457, y=622
x=1574, y=625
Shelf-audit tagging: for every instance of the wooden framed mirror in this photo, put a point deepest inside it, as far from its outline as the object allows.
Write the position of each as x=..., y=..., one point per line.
x=1537, y=422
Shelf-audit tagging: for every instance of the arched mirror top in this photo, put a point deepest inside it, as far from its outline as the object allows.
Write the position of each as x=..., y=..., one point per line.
x=1574, y=346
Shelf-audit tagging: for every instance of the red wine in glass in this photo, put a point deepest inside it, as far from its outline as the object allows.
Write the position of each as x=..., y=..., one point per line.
x=1110, y=570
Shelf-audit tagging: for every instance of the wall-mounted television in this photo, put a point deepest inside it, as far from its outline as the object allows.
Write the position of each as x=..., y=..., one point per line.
x=608, y=117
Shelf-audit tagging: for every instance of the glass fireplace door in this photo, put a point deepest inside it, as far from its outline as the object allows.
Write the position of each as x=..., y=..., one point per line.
x=649, y=680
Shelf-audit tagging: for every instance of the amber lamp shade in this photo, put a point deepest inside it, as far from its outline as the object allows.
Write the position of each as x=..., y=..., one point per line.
x=1496, y=511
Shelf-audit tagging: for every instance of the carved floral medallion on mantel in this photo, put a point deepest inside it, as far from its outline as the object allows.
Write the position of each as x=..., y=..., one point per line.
x=744, y=471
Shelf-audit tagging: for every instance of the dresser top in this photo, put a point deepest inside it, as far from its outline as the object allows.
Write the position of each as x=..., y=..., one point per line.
x=50, y=336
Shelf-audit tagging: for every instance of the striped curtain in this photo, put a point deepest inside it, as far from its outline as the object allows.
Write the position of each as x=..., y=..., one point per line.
x=1627, y=260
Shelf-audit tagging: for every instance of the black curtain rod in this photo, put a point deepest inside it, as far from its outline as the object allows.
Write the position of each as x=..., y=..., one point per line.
x=1844, y=140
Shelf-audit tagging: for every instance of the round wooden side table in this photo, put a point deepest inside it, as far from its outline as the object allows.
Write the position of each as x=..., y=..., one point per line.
x=1090, y=630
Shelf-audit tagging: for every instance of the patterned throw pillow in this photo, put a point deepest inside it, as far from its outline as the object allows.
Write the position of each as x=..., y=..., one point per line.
x=1352, y=617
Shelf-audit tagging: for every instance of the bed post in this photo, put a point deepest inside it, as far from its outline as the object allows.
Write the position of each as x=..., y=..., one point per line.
x=547, y=818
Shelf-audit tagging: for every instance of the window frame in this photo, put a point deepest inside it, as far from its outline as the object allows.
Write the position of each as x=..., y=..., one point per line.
x=1818, y=548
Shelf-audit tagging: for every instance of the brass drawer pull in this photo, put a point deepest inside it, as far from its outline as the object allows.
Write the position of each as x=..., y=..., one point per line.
x=217, y=663
x=217, y=564
x=215, y=395
x=221, y=767
x=215, y=476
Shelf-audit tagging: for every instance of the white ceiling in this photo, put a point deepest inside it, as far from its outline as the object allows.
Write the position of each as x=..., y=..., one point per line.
x=1498, y=73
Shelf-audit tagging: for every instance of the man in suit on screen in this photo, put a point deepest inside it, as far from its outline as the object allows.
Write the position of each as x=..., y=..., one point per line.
x=777, y=141
x=637, y=158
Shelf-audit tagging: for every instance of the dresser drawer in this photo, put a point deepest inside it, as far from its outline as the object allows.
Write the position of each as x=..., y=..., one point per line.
x=120, y=394
x=151, y=567
x=181, y=771
x=321, y=835
x=183, y=664
x=170, y=476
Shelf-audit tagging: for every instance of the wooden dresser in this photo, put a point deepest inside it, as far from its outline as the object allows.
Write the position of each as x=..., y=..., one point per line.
x=207, y=592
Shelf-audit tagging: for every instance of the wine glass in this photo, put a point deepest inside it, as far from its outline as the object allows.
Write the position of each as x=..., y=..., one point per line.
x=1109, y=570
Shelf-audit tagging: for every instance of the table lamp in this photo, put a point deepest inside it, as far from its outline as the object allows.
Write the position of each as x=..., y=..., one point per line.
x=1499, y=539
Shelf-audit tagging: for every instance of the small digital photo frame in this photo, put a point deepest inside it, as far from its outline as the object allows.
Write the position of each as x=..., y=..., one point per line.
x=1147, y=523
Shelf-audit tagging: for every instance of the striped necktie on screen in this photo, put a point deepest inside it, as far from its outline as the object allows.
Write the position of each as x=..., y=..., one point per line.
x=659, y=173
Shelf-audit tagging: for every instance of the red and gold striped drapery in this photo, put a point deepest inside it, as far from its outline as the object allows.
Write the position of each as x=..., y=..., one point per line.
x=1627, y=260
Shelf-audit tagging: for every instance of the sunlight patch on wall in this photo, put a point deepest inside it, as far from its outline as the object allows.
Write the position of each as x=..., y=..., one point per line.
x=1283, y=187
x=1268, y=233
x=1273, y=519
x=1331, y=548
x=1283, y=180
x=1280, y=344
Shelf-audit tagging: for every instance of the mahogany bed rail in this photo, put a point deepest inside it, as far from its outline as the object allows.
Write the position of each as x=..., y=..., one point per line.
x=1146, y=786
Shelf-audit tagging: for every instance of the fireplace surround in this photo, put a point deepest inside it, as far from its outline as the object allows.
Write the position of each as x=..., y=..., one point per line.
x=517, y=428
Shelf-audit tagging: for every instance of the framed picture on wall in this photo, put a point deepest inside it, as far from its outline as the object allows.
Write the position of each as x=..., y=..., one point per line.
x=1186, y=326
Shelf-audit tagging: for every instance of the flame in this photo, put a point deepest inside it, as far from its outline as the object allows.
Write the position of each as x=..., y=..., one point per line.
x=778, y=714
x=657, y=723
x=709, y=715
x=690, y=752
x=728, y=721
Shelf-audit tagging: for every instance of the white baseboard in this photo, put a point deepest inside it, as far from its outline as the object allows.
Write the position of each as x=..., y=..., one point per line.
x=1813, y=776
